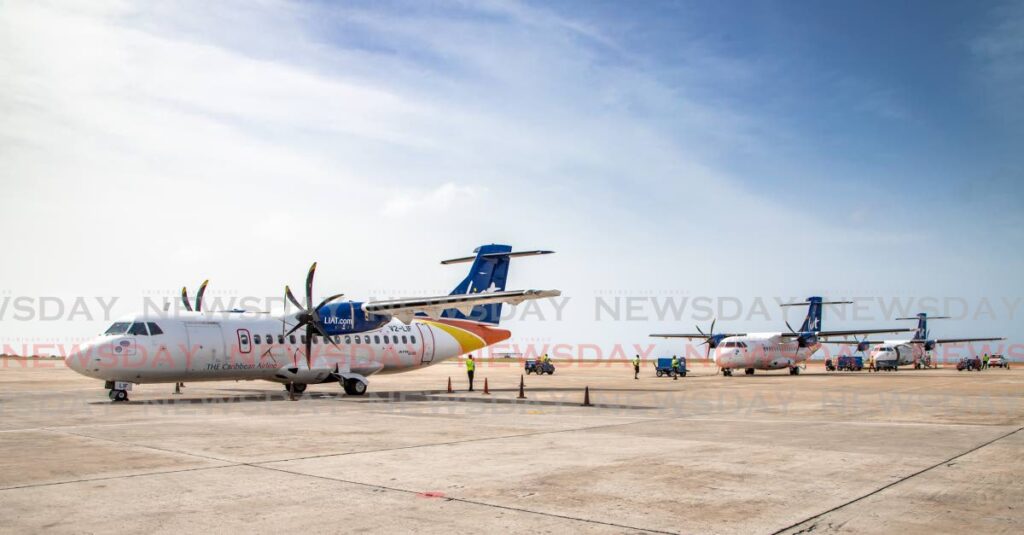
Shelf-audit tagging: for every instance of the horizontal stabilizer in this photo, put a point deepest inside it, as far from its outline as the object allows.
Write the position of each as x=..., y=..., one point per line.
x=516, y=254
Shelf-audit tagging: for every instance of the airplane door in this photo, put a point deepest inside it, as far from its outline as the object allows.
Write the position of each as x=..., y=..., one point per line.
x=206, y=346
x=427, y=338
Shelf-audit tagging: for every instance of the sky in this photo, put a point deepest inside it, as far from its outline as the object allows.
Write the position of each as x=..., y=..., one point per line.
x=672, y=153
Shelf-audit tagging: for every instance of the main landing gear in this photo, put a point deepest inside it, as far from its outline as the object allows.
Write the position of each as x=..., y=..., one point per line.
x=354, y=387
x=118, y=395
x=295, y=388
x=727, y=372
x=795, y=370
x=749, y=371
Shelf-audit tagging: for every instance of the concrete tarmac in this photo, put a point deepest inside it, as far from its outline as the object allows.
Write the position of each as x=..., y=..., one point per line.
x=910, y=452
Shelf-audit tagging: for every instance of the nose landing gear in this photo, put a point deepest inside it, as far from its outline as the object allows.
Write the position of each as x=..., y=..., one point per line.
x=117, y=395
x=794, y=370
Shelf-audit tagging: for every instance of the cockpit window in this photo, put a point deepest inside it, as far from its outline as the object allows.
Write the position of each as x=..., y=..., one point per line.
x=138, y=329
x=154, y=329
x=120, y=327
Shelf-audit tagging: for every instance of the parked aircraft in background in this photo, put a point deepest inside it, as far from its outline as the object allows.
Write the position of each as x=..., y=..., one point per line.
x=916, y=351
x=332, y=341
x=773, y=350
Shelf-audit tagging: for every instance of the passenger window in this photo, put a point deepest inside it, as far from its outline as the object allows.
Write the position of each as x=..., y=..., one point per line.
x=244, y=339
x=303, y=339
x=154, y=329
x=404, y=340
x=138, y=329
x=256, y=339
x=358, y=339
x=386, y=339
x=270, y=339
x=280, y=339
x=348, y=340
x=315, y=339
x=376, y=339
x=412, y=339
x=291, y=338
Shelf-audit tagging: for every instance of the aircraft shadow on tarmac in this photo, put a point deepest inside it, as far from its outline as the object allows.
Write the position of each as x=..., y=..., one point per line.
x=386, y=397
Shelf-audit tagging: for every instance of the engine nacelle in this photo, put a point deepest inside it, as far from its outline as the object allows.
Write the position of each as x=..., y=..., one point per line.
x=929, y=345
x=348, y=317
x=863, y=346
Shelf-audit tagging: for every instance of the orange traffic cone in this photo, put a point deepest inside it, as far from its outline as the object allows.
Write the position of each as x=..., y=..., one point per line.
x=522, y=388
x=486, y=391
x=586, y=397
x=450, y=391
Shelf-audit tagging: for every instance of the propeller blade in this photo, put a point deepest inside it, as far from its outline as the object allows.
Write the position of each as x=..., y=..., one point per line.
x=700, y=331
x=291, y=297
x=309, y=286
x=309, y=345
x=184, y=299
x=328, y=300
x=295, y=328
x=199, y=296
x=712, y=331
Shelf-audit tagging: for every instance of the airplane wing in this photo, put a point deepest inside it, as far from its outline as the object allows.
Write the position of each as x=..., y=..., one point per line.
x=694, y=336
x=827, y=334
x=405, y=309
x=956, y=340
x=855, y=342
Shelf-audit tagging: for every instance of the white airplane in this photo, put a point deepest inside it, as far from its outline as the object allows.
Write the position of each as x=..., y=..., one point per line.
x=776, y=350
x=916, y=351
x=342, y=341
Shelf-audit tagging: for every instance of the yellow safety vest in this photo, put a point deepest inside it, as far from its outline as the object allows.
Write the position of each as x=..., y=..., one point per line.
x=636, y=362
x=470, y=365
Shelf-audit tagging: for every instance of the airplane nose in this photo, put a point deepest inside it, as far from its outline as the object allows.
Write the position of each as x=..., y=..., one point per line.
x=78, y=357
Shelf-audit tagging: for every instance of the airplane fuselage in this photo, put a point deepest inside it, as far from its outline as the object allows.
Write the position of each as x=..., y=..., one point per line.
x=203, y=346
x=762, y=351
x=903, y=351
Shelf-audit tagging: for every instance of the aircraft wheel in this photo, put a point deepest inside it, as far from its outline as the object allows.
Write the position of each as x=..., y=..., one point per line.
x=749, y=371
x=794, y=370
x=355, y=387
x=118, y=395
x=295, y=388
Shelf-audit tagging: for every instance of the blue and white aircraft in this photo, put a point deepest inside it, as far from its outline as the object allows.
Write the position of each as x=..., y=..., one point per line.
x=333, y=341
x=773, y=350
x=916, y=351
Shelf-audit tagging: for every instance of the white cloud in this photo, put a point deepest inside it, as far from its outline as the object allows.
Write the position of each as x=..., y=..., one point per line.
x=448, y=197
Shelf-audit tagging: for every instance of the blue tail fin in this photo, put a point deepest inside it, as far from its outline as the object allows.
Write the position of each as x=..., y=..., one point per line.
x=488, y=273
x=812, y=323
x=922, y=324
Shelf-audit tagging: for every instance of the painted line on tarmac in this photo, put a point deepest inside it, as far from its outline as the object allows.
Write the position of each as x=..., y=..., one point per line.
x=897, y=482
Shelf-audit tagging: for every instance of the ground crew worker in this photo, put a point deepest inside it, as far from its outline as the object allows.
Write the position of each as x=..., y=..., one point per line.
x=871, y=363
x=470, y=368
x=636, y=367
x=984, y=362
x=675, y=368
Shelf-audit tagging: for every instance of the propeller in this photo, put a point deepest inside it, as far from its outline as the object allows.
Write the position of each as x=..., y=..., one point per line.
x=309, y=315
x=199, y=297
x=800, y=340
x=710, y=337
